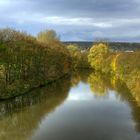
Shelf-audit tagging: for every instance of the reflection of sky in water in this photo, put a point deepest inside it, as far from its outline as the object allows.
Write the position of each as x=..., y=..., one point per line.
x=82, y=92
x=83, y=116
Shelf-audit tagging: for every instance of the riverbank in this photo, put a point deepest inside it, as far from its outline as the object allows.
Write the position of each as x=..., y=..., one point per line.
x=122, y=66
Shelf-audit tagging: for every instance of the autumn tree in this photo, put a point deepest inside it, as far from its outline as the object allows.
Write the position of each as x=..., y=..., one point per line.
x=97, y=55
x=12, y=35
x=47, y=36
x=75, y=54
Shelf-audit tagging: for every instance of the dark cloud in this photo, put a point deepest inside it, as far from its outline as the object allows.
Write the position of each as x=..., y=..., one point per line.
x=89, y=8
x=75, y=19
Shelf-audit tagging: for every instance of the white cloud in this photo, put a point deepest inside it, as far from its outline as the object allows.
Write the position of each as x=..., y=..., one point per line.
x=75, y=21
x=80, y=93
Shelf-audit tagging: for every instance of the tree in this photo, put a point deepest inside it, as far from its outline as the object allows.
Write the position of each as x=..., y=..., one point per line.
x=98, y=54
x=75, y=54
x=11, y=35
x=47, y=36
x=73, y=48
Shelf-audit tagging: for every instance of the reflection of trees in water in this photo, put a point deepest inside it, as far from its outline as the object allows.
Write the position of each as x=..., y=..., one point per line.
x=132, y=86
x=80, y=75
x=136, y=115
x=100, y=84
x=20, y=116
x=126, y=95
x=135, y=90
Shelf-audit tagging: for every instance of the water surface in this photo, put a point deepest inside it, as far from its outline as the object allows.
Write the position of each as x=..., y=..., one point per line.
x=84, y=107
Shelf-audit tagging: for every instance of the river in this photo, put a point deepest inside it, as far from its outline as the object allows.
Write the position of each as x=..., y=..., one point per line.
x=85, y=106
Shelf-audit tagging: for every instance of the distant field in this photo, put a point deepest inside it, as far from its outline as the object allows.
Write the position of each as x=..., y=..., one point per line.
x=121, y=46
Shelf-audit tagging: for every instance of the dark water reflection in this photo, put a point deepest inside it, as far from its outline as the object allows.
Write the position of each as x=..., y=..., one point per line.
x=87, y=106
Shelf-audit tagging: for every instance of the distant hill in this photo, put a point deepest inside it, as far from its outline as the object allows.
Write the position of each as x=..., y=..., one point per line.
x=84, y=45
x=116, y=46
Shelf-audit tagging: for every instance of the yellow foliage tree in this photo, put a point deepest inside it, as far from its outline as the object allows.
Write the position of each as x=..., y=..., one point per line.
x=47, y=36
x=98, y=53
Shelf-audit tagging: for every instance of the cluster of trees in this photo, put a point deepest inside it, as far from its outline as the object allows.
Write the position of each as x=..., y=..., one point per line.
x=101, y=58
x=78, y=57
x=123, y=65
x=27, y=62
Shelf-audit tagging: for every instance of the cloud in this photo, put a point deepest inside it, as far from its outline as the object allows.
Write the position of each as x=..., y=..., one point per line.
x=75, y=19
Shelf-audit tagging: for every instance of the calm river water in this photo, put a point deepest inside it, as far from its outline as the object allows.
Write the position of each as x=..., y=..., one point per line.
x=87, y=106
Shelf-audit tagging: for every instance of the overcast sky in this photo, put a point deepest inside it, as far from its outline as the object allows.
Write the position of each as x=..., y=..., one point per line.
x=77, y=20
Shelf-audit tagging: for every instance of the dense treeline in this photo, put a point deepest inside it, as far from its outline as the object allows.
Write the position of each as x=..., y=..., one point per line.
x=27, y=62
